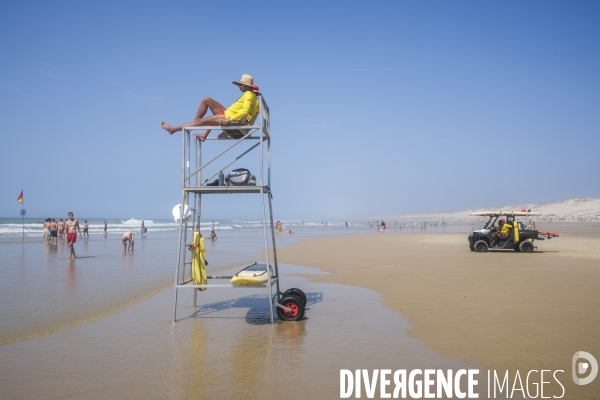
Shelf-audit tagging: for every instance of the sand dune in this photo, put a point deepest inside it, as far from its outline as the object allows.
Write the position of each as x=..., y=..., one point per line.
x=586, y=209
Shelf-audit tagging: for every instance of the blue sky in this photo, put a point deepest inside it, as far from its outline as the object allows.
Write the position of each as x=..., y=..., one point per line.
x=377, y=107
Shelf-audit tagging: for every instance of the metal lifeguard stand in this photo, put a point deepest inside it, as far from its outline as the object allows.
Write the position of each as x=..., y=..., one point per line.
x=194, y=186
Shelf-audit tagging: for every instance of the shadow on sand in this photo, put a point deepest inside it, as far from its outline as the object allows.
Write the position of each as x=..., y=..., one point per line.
x=257, y=305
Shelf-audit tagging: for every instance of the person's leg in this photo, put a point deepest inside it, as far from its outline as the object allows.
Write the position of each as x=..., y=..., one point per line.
x=208, y=103
x=202, y=136
x=72, y=249
x=212, y=120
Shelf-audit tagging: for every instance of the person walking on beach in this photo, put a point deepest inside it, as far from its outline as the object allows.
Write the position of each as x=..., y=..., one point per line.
x=143, y=229
x=46, y=232
x=105, y=227
x=241, y=112
x=61, y=229
x=85, y=229
x=127, y=238
x=53, y=231
x=72, y=227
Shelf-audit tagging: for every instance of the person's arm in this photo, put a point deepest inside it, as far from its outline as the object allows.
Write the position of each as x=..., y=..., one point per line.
x=131, y=244
x=78, y=229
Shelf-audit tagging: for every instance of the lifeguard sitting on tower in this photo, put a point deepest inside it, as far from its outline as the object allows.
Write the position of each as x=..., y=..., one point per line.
x=242, y=112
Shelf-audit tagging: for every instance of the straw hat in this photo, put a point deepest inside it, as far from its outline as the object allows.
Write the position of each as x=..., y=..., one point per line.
x=245, y=80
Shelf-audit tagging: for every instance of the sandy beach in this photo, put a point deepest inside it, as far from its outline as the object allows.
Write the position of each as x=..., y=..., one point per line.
x=505, y=310
x=397, y=300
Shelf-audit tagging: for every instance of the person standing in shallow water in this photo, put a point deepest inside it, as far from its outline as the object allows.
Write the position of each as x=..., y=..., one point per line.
x=72, y=227
x=105, y=228
x=61, y=229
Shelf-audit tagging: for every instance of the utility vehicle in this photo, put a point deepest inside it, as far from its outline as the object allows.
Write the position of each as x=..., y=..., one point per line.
x=519, y=237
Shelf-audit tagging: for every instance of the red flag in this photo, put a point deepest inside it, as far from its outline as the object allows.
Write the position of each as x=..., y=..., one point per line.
x=20, y=198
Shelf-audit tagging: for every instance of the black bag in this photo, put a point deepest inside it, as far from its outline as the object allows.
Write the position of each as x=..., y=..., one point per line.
x=239, y=177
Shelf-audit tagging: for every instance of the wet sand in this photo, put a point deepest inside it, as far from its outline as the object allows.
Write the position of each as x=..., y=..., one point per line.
x=226, y=349
x=505, y=310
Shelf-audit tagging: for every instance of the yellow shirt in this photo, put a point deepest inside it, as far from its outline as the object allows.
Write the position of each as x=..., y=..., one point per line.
x=244, y=108
x=505, y=228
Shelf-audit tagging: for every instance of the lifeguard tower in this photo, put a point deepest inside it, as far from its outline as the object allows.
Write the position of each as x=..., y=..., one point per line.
x=291, y=303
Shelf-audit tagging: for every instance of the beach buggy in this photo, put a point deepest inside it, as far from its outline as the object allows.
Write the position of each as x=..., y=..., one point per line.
x=503, y=231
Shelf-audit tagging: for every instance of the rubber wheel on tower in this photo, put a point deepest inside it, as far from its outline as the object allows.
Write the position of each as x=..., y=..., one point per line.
x=297, y=309
x=296, y=292
x=481, y=246
x=526, y=247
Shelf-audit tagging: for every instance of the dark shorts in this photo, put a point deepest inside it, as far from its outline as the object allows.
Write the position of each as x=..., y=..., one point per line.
x=85, y=230
x=54, y=233
x=71, y=237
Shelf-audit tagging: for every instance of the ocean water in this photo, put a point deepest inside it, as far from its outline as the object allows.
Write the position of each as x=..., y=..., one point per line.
x=32, y=228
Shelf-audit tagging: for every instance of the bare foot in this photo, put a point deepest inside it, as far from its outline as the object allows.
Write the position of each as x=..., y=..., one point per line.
x=167, y=127
x=201, y=136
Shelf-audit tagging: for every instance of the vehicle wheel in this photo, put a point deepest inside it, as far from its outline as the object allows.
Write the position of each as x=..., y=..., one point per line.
x=516, y=247
x=526, y=247
x=481, y=246
x=296, y=292
x=295, y=304
x=471, y=243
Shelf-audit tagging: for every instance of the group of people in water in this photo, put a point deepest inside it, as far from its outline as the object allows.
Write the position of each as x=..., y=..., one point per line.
x=61, y=230
x=69, y=229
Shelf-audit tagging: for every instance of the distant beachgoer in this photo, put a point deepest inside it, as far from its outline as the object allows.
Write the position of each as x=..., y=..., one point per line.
x=53, y=230
x=72, y=227
x=47, y=234
x=213, y=235
x=383, y=226
x=105, y=228
x=143, y=228
x=212, y=226
x=85, y=229
x=241, y=112
x=127, y=239
x=61, y=229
